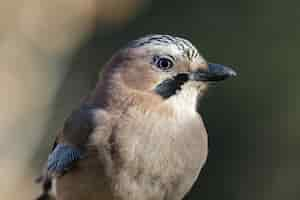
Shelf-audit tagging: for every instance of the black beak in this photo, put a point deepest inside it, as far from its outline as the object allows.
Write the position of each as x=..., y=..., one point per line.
x=215, y=72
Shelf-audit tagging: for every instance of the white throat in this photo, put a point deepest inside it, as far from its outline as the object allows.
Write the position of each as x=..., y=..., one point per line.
x=185, y=101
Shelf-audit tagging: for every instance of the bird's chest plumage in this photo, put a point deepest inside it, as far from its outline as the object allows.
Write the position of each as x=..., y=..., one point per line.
x=159, y=156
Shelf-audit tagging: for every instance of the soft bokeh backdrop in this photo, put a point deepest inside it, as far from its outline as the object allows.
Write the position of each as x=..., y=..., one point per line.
x=51, y=53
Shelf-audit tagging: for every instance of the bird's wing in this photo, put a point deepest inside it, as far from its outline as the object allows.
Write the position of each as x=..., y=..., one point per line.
x=69, y=145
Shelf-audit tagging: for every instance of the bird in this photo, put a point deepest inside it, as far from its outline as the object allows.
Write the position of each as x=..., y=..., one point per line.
x=138, y=135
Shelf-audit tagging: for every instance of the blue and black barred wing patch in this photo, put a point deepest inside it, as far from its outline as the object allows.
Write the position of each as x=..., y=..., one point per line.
x=63, y=158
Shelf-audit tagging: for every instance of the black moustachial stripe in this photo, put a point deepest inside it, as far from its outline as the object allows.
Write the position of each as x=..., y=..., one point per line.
x=170, y=86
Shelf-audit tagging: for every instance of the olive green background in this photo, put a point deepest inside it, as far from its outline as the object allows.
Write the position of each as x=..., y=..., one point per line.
x=252, y=120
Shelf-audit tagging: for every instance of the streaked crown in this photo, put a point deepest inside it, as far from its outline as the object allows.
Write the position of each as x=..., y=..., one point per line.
x=183, y=45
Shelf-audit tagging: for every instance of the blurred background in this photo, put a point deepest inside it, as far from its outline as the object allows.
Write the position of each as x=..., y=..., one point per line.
x=51, y=53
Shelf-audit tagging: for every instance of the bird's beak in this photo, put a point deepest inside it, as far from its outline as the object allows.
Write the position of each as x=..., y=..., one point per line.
x=214, y=72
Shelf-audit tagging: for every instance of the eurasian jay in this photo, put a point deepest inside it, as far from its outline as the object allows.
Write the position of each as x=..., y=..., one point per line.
x=138, y=135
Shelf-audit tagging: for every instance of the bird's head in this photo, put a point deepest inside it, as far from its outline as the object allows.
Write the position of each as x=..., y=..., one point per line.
x=164, y=65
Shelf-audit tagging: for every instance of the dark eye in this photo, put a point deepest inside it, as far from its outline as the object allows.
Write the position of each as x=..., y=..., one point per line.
x=164, y=63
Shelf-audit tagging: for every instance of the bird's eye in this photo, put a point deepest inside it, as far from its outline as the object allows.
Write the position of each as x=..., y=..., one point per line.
x=164, y=63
